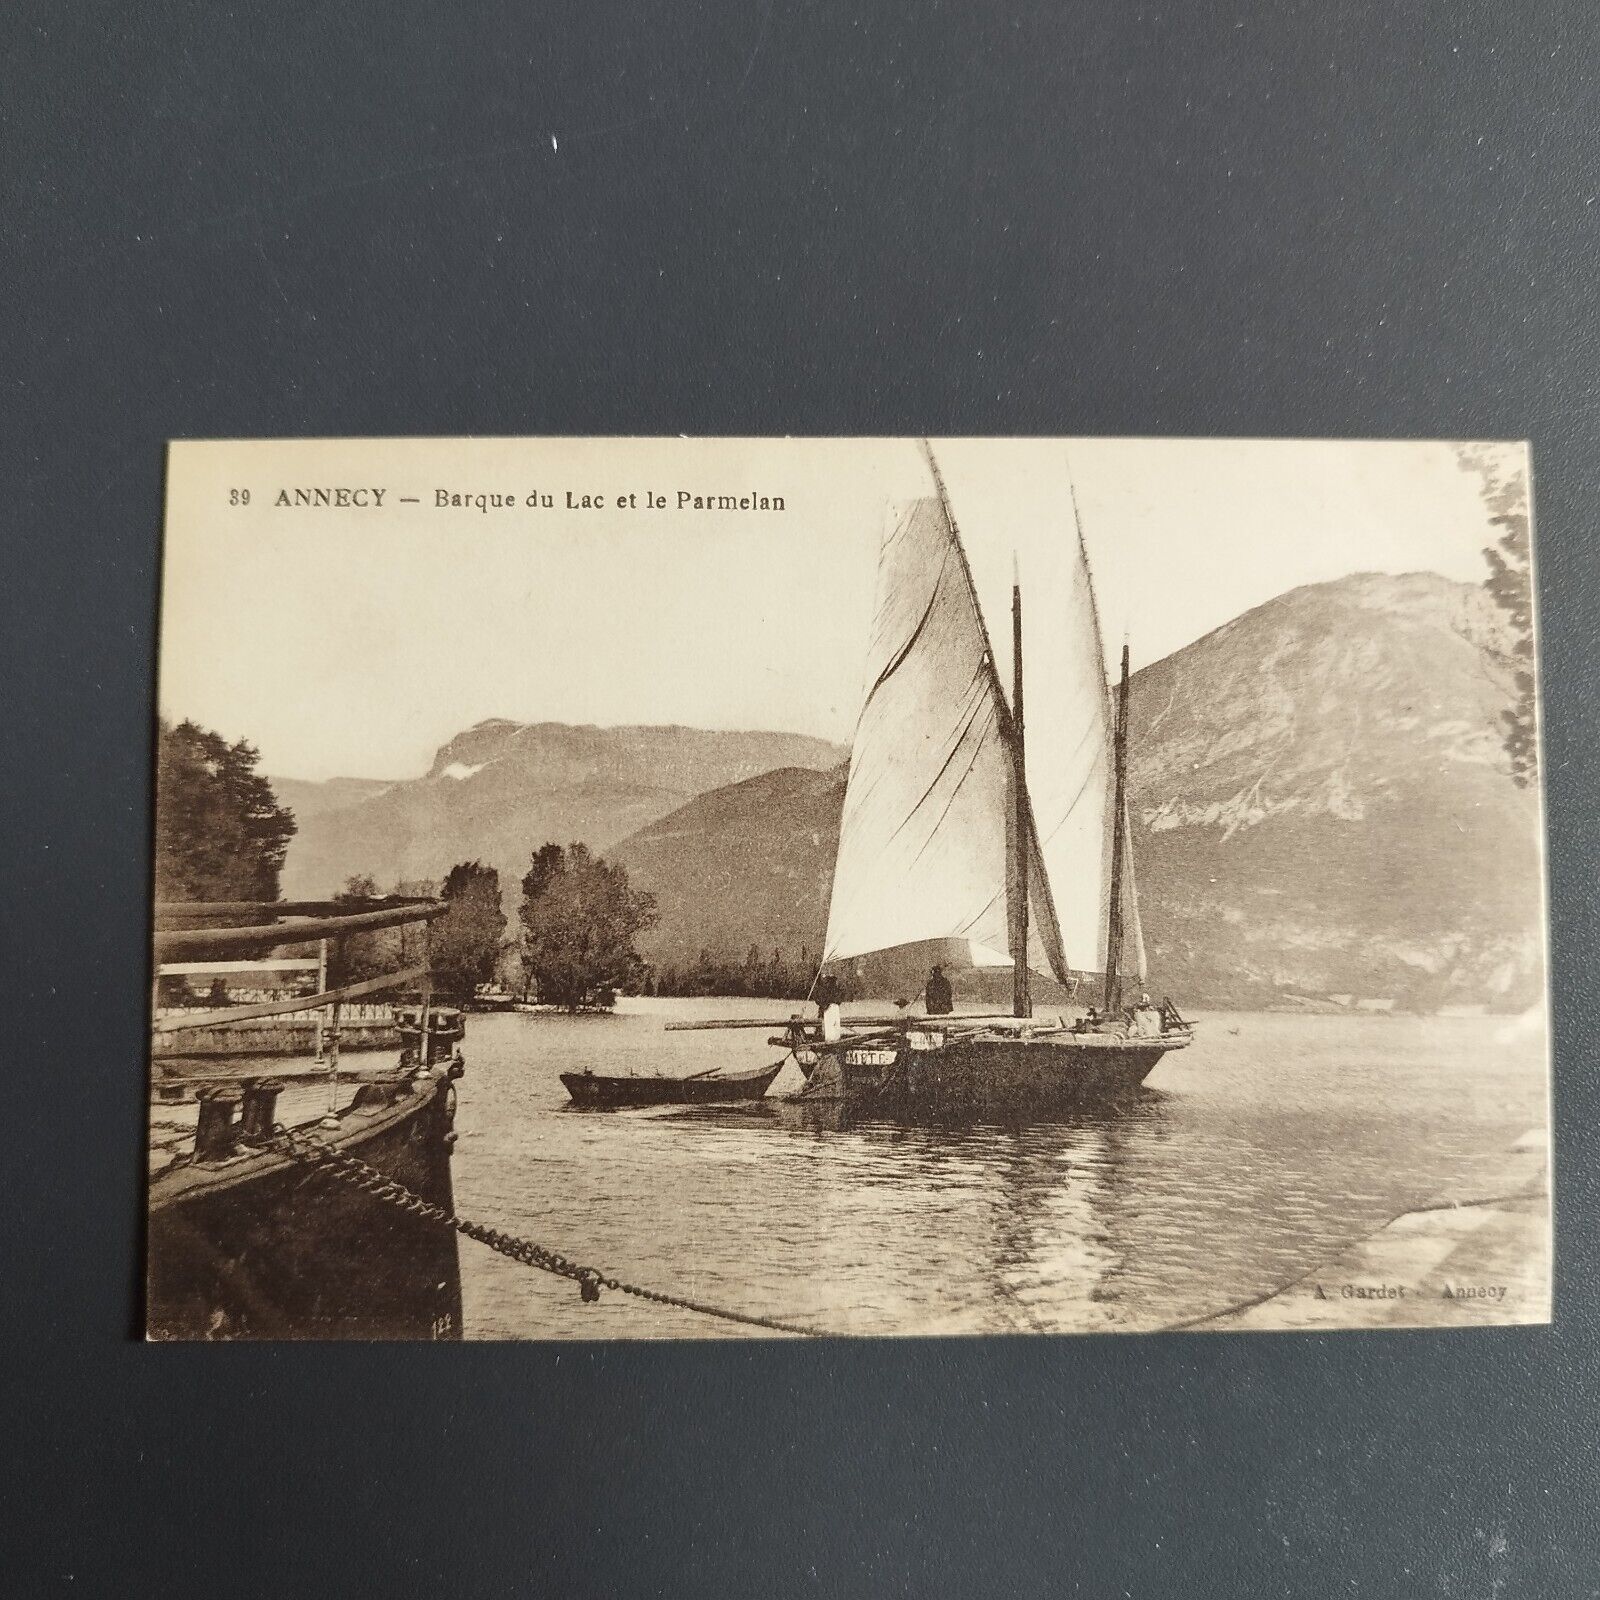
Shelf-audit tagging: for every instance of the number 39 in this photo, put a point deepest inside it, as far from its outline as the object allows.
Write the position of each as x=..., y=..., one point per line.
x=238, y=497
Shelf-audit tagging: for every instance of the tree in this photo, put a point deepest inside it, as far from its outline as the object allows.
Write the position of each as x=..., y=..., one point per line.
x=580, y=919
x=465, y=941
x=549, y=861
x=1503, y=485
x=358, y=956
x=411, y=938
x=510, y=971
x=220, y=832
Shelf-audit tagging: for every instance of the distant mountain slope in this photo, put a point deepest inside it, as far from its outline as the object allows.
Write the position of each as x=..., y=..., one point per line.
x=750, y=864
x=1321, y=807
x=1324, y=803
x=308, y=799
x=500, y=789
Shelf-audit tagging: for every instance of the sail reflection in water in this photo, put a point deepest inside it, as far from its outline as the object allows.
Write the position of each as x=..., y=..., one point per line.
x=1026, y=1213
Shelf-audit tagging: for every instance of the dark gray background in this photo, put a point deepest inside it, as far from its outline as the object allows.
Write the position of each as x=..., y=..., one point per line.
x=1372, y=218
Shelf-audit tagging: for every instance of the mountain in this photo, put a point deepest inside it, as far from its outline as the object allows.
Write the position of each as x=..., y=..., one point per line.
x=499, y=790
x=1324, y=804
x=308, y=799
x=749, y=864
x=1321, y=808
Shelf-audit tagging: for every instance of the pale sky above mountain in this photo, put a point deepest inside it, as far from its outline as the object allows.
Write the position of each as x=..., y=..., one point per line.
x=354, y=641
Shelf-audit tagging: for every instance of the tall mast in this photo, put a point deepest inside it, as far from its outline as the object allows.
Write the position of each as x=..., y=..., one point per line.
x=1021, y=999
x=1024, y=824
x=1113, y=994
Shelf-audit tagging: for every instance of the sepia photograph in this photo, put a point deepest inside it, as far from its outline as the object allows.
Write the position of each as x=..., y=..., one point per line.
x=702, y=888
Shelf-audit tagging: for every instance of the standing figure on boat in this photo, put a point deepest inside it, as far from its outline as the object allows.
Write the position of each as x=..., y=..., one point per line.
x=937, y=999
x=1145, y=1019
x=827, y=997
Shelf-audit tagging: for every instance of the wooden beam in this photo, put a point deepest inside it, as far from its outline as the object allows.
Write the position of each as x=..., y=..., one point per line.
x=908, y=1019
x=203, y=969
x=283, y=1008
x=293, y=930
x=727, y=1022
x=190, y=909
x=293, y=1071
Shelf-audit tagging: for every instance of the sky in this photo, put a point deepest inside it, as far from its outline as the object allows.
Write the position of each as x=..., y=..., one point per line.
x=354, y=641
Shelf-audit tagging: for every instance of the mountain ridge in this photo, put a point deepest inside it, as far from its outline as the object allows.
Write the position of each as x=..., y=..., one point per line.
x=497, y=790
x=1320, y=798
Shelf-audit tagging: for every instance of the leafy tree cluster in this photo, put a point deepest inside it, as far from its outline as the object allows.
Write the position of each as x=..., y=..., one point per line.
x=772, y=977
x=580, y=923
x=1504, y=488
x=220, y=833
x=465, y=942
x=359, y=956
x=462, y=947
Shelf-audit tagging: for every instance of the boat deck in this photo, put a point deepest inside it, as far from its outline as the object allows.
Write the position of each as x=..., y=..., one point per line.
x=300, y=1105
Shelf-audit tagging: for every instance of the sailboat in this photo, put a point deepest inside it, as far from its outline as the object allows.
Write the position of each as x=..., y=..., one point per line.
x=966, y=820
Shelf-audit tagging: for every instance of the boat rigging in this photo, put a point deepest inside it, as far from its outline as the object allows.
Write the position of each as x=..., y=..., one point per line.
x=966, y=820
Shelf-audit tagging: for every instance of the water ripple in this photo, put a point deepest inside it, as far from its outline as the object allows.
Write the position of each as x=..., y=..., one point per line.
x=1247, y=1161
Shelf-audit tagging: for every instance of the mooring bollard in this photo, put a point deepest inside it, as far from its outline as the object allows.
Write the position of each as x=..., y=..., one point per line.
x=216, y=1134
x=259, y=1112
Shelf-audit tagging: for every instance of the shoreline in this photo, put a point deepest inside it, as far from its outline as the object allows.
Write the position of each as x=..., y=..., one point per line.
x=1461, y=1260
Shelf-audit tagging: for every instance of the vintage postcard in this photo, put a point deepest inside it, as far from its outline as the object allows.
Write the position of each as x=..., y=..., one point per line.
x=669, y=888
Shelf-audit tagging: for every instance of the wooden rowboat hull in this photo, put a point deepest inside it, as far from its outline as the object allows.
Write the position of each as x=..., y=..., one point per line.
x=593, y=1089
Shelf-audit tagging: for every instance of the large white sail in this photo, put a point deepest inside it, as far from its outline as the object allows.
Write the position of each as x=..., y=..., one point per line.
x=925, y=844
x=925, y=838
x=1028, y=525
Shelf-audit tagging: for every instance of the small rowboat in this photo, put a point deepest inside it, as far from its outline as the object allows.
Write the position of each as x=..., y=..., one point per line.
x=701, y=1089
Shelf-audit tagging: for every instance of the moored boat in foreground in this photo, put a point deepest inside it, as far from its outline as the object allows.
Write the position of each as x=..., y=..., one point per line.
x=267, y=1208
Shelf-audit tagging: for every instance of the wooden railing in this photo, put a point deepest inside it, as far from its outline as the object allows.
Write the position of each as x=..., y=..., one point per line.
x=283, y=1008
x=279, y=922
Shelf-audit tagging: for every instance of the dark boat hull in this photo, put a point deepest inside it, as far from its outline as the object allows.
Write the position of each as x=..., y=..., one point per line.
x=595, y=1091
x=1041, y=1075
x=263, y=1247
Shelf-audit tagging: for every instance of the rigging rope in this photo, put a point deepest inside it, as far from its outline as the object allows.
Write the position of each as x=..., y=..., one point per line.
x=322, y=1156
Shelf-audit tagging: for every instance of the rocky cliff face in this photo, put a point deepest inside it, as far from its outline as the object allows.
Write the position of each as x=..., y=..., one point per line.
x=497, y=791
x=1321, y=808
x=1323, y=803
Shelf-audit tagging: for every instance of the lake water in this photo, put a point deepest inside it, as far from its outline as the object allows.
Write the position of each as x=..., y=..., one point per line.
x=1268, y=1147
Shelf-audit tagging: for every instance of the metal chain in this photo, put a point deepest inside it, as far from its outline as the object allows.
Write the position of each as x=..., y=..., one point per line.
x=318, y=1153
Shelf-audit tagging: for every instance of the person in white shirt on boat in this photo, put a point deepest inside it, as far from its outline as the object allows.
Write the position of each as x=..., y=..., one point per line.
x=1146, y=1019
x=826, y=996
